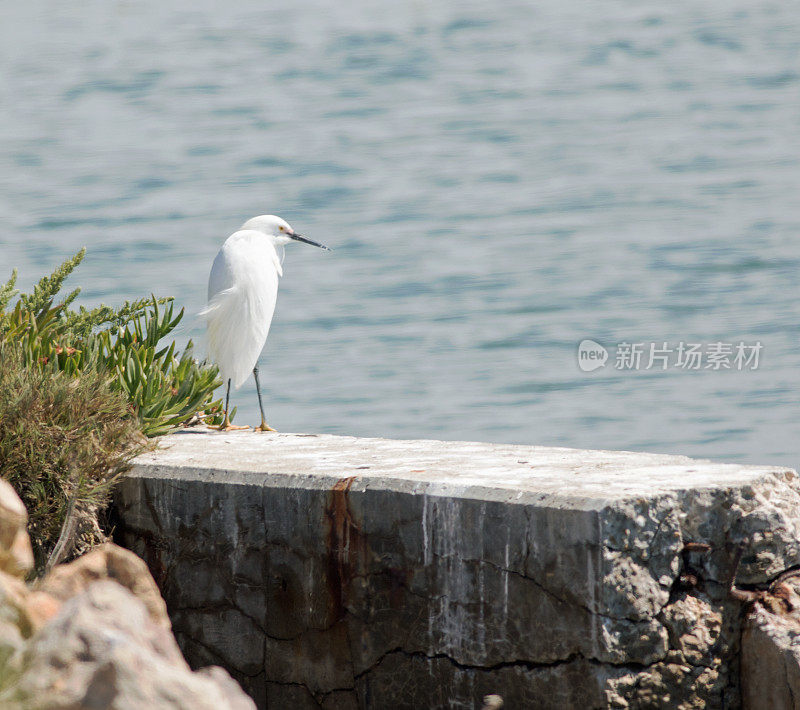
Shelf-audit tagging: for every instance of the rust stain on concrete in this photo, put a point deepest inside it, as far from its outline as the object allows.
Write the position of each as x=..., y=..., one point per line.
x=346, y=547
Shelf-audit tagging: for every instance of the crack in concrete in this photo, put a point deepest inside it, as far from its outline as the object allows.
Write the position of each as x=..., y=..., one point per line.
x=500, y=665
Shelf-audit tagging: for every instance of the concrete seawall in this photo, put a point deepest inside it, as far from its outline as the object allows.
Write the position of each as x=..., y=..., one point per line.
x=335, y=572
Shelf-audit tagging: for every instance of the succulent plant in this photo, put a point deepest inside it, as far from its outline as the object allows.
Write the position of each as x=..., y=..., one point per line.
x=164, y=386
x=78, y=390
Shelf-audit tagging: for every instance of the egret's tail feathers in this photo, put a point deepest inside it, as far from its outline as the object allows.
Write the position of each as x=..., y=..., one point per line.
x=230, y=335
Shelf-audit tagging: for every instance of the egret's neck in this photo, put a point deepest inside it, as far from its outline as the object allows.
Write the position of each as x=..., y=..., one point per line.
x=278, y=252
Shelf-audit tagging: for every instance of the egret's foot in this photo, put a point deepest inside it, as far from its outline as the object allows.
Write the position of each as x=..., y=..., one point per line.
x=264, y=427
x=227, y=426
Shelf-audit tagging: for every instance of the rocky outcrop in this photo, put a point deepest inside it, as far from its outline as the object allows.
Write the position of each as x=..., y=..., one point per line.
x=770, y=666
x=333, y=572
x=770, y=662
x=16, y=554
x=93, y=634
x=105, y=650
x=20, y=615
x=112, y=562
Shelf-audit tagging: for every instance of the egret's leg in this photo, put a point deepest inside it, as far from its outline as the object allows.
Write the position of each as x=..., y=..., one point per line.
x=264, y=426
x=226, y=423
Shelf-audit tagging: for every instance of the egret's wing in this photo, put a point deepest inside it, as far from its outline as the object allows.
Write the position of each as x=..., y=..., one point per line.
x=243, y=289
x=221, y=276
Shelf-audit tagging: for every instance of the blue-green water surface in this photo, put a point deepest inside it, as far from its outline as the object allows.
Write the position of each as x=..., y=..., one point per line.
x=499, y=181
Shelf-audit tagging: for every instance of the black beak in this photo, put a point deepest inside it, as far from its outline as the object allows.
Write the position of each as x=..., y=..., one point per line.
x=301, y=238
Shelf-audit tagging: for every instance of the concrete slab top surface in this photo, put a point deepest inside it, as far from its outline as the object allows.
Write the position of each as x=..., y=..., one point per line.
x=495, y=471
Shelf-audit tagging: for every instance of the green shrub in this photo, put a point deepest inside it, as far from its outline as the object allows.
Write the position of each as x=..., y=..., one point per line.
x=64, y=440
x=79, y=391
x=164, y=387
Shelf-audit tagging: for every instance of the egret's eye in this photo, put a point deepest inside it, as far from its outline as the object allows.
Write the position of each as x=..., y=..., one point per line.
x=282, y=229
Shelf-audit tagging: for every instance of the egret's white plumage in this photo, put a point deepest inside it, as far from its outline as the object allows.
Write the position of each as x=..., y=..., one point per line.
x=242, y=290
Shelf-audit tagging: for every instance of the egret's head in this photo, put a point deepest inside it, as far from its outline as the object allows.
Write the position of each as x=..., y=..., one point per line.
x=279, y=230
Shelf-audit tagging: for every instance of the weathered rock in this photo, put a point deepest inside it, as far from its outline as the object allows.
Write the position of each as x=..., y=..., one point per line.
x=107, y=561
x=21, y=611
x=40, y=608
x=28, y=610
x=11, y=646
x=13, y=602
x=694, y=624
x=337, y=572
x=105, y=650
x=15, y=624
x=16, y=554
x=770, y=665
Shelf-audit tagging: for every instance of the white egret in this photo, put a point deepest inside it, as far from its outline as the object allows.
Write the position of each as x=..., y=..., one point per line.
x=242, y=290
